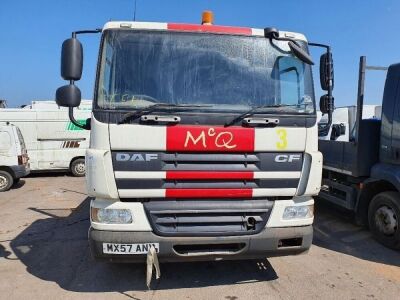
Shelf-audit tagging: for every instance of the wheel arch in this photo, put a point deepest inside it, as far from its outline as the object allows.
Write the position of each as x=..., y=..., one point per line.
x=369, y=189
x=8, y=169
x=74, y=159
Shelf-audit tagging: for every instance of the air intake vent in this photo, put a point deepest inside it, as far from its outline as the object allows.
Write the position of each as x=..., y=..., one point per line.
x=208, y=218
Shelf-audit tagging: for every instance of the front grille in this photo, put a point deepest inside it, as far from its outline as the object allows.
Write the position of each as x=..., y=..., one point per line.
x=157, y=175
x=208, y=218
x=165, y=161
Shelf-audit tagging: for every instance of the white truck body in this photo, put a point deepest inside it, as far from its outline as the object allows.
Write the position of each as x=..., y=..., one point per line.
x=52, y=141
x=13, y=156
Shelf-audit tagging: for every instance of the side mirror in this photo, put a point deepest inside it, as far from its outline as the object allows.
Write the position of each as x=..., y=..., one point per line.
x=68, y=96
x=326, y=71
x=71, y=59
x=337, y=131
x=300, y=53
x=326, y=104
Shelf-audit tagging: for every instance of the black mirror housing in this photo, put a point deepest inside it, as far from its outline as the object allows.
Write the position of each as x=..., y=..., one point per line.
x=71, y=59
x=68, y=96
x=326, y=75
x=326, y=104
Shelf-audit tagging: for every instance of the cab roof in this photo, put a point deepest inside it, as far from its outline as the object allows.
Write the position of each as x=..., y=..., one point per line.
x=230, y=30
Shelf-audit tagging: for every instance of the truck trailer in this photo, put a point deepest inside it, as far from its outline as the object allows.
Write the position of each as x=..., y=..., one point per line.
x=362, y=174
x=204, y=141
x=53, y=142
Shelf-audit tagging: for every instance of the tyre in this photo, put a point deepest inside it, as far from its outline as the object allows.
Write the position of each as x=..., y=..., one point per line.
x=384, y=218
x=78, y=167
x=6, y=181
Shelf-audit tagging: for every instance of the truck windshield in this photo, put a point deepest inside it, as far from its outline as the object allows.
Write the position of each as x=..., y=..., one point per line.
x=218, y=73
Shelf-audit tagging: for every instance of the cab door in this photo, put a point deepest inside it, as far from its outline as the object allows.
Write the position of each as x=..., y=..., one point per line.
x=395, y=148
x=390, y=135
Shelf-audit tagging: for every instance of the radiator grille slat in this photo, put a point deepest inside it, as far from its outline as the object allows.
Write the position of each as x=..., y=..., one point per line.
x=201, y=157
x=209, y=167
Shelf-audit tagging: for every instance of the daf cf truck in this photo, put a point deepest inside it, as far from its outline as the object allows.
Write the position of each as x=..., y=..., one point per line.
x=203, y=142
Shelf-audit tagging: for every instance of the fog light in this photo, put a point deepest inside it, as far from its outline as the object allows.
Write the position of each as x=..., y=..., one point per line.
x=111, y=215
x=298, y=212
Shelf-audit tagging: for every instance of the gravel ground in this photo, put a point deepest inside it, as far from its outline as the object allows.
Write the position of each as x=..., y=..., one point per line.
x=44, y=254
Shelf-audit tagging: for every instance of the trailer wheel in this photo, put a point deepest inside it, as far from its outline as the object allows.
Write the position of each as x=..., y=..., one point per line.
x=384, y=218
x=6, y=181
x=78, y=167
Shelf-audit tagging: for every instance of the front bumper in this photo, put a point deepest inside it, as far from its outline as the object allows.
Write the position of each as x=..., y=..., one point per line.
x=20, y=170
x=269, y=242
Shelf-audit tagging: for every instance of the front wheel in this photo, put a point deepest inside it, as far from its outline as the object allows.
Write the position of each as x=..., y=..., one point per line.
x=78, y=168
x=6, y=181
x=384, y=218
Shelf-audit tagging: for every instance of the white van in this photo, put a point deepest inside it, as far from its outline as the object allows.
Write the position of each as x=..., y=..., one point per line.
x=13, y=156
x=52, y=141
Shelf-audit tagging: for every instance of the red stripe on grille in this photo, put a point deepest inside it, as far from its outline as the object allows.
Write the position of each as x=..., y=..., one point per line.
x=210, y=139
x=210, y=28
x=209, y=193
x=209, y=175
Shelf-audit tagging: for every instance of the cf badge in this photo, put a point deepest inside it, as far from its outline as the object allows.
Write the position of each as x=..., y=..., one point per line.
x=282, y=158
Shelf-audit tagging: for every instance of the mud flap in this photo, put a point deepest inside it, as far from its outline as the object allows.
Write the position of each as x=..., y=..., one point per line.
x=152, y=260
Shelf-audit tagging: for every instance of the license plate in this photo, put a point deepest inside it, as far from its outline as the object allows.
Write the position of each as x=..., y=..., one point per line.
x=111, y=248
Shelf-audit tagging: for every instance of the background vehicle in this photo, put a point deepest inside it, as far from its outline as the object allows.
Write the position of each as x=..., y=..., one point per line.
x=344, y=122
x=203, y=142
x=363, y=175
x=53, y=142
x=13, y=156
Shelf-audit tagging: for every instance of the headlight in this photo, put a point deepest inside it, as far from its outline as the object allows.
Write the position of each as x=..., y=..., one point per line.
x=298, y=212
x=111, y=215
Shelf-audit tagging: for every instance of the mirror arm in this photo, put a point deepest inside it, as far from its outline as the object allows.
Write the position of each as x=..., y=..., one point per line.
x=278, y=38
x=74, y=121
x=71, y=115
x=327, y=47
x=324, y=129
x=75, y=33
x=330, y=87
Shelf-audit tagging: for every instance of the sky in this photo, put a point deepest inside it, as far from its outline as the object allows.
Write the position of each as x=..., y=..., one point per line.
x=32, y=31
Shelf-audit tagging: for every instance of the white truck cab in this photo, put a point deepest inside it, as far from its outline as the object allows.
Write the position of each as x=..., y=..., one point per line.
x=204, y=141
x=13, y=156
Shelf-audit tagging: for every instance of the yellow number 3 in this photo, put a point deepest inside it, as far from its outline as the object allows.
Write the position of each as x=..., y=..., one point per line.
x=282, y=144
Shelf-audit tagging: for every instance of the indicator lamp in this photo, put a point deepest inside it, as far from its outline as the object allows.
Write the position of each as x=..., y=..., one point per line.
x=207, y=18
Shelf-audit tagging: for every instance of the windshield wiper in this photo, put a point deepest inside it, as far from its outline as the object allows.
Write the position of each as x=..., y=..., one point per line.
x=253, y=110
x=148, y=109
